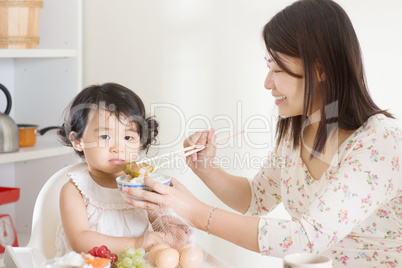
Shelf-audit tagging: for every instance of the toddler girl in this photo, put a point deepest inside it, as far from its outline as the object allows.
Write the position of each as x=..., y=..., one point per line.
x=107, y=126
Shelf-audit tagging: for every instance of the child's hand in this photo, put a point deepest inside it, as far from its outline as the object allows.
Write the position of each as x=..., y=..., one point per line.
x=175, y=197
x=174, y=236
x=150, y=239
x=202, y=160
x=177, y=235
x=175, y=230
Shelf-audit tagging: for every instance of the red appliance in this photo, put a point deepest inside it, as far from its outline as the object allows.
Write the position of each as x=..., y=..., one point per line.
x=8, y=235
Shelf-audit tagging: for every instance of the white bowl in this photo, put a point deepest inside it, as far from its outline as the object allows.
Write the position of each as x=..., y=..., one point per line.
x=121, y=183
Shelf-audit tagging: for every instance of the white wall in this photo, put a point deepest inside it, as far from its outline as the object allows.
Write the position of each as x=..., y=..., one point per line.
x=205, y=58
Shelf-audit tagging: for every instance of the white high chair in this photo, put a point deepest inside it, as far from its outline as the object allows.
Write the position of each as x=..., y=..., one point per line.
x=46, y=214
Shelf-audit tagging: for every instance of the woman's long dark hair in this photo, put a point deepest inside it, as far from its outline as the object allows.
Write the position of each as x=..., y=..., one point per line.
x=320, y=33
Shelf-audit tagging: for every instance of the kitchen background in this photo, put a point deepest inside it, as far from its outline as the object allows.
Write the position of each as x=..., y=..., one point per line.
x=200, y=64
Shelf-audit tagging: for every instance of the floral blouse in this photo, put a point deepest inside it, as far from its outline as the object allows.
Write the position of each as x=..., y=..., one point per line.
x=353, y=214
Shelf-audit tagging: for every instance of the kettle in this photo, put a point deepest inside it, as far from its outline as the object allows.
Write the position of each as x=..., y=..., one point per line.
x=8, y=128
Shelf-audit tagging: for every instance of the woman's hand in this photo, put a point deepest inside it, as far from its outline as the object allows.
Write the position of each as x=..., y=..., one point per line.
x=201, y=161
x=176, y=197
x=230, y=226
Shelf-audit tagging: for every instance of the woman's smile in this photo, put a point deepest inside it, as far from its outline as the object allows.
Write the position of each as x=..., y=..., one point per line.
x=280, y=99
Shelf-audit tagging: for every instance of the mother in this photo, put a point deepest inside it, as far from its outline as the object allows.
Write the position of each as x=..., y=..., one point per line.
x=340, y=180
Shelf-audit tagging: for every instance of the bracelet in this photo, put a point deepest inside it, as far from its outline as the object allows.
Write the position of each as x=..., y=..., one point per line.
x=210, y=218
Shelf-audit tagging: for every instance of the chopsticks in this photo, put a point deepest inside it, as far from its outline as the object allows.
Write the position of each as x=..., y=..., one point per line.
x=170, y=153
x=190, y=150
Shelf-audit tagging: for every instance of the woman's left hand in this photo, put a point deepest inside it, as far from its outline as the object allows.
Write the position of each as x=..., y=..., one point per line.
x=176, y=196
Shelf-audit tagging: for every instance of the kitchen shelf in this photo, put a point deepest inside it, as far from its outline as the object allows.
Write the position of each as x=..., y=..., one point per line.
x=46, y=146
x=42, y=82
x=38, y=53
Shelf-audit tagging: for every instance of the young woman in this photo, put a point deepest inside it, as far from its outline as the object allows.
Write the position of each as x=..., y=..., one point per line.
x=340, y=178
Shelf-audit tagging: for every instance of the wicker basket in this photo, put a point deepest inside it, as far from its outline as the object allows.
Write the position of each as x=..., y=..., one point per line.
x=19, y=23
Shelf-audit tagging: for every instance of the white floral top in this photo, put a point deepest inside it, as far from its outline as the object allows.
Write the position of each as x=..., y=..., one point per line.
x=352, y=214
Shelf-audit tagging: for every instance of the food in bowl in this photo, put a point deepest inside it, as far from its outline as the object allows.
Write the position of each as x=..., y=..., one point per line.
x=135, y=169
x=138, y=182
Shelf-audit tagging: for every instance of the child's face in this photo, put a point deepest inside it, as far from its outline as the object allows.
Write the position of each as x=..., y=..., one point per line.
x=109, y=143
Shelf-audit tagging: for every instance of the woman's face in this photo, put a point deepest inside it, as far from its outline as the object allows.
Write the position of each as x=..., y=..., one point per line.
x=287, y=90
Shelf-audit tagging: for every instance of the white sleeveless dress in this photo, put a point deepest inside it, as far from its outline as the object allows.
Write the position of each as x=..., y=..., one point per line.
x=107, y=212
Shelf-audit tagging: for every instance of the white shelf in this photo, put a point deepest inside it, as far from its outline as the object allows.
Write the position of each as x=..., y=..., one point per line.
x=46, y=146
x=38, y=53
x=49, y=76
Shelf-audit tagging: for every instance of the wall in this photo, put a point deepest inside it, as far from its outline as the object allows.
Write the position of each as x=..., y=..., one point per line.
x=198, y=64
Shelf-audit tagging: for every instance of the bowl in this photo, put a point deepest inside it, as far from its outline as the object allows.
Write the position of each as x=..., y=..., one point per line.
x=121, y=183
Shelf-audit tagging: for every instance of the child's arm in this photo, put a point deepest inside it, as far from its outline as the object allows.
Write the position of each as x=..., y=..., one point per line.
x=75, y=223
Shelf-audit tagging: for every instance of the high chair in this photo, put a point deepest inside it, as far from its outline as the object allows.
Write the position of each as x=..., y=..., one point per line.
x=46, y=214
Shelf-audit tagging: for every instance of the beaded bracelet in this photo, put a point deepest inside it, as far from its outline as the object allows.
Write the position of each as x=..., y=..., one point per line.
x=210, y=218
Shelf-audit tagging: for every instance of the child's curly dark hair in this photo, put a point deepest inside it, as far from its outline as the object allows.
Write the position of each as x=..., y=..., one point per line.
x=115, y=98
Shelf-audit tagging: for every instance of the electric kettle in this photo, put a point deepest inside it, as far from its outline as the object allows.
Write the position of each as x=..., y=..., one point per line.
x=8, y=128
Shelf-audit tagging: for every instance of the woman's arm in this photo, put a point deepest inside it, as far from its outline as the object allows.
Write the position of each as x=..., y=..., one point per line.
x=234, y=191
x=238, y=229
x=82, y=239
x=340, y=208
